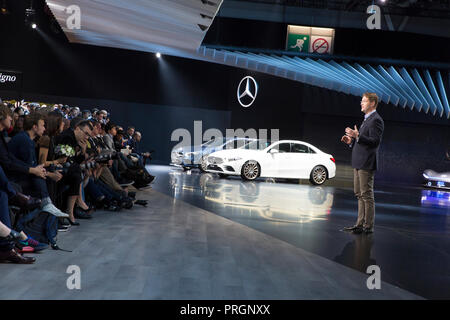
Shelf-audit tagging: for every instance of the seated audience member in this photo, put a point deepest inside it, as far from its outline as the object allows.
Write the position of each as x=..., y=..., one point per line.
x=135, y=148
x=65, y=110
x=66, y=123
x=74, y=113
x=7, y=236
x=101, y=192
x=46, y=148
x=54, y=126
x=129, y=134
x=29, y=177
x=118, y=140
x=86, y=115
x=77, y=139
x=99, y=132
x=118, y=164
x=18, y=117
x=101, y=116
x=110, y=133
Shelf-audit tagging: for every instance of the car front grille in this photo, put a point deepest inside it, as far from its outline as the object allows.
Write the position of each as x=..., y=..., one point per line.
x=214, y=167
x=215, y=160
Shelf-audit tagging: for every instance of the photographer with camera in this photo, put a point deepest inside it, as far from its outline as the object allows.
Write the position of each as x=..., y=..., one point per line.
x=118, y=164
x=103, y=184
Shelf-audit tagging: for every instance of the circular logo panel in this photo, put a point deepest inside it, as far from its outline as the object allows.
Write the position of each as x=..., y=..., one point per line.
x=247, y=91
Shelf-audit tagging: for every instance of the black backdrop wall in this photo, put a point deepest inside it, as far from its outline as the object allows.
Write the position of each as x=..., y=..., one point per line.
x=412, y=141
x=158, y=96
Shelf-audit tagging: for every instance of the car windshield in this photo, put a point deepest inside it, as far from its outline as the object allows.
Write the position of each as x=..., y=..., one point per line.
x=236, y=143
x=215, y=141
x=256, y=145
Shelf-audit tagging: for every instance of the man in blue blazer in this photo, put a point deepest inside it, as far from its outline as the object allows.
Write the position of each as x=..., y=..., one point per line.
x=365, y=143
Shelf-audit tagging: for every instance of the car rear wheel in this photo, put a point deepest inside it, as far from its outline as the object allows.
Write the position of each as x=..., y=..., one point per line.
x=250, y=170
x=318, y=175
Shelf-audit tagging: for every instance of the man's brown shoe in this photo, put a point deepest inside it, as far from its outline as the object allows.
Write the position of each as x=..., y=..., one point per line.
x=15, y=257
x=25, y=202
x=357, y=230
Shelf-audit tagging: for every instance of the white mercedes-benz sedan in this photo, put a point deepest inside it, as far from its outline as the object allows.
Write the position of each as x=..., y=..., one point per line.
x=282, y=159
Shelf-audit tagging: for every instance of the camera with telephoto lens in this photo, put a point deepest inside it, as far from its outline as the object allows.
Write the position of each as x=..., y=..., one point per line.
x=105, y=156
x=63, y=168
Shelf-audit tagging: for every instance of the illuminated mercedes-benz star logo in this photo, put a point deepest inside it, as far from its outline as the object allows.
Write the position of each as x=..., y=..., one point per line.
x=250, y=90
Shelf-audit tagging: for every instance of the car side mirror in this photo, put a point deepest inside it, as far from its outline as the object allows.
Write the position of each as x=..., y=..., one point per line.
x=273, y=151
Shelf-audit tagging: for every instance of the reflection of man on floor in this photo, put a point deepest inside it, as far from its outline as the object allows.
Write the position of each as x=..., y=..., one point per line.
x=365, y=143
x=356, y=254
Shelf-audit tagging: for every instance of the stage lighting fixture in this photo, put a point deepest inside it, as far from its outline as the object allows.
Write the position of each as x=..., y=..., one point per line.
x=33, y=25
x=4, y=9
x=158, y=55
x=30, y=15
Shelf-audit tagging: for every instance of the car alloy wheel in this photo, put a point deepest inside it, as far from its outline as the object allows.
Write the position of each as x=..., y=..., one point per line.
x=318, y=175
x=250, y=170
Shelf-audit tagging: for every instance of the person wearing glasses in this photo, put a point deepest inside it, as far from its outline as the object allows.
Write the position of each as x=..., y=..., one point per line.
x=77, y=138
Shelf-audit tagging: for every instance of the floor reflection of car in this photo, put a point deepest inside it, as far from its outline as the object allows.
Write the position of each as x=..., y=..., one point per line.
x=282, y=159
x=435, y=198
x=437, y=180
x=257, y=200
x=195, y=156
x=270, y=201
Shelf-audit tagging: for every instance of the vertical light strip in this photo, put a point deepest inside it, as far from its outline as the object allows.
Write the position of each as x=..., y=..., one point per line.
x=424, y=91
x=443, y=94
x=424, y=104
x=434, y=93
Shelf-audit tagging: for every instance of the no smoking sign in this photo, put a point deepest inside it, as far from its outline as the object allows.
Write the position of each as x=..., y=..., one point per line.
x=320, y=44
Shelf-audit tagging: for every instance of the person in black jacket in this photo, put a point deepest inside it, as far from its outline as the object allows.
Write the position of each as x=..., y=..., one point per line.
x=365, y=143
x=77, y=138
x=31, y=177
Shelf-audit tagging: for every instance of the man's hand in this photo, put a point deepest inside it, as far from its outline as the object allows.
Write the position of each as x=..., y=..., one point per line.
x=55, y=176
x=346, y=139
x=83, y=145
x=38, y=171
x=352, y=133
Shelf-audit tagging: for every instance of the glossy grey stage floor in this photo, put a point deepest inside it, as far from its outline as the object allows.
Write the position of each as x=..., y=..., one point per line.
x=411, y=243
x=207, y=238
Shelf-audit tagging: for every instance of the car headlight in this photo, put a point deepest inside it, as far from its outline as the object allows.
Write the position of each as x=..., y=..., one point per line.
x=234, y=159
